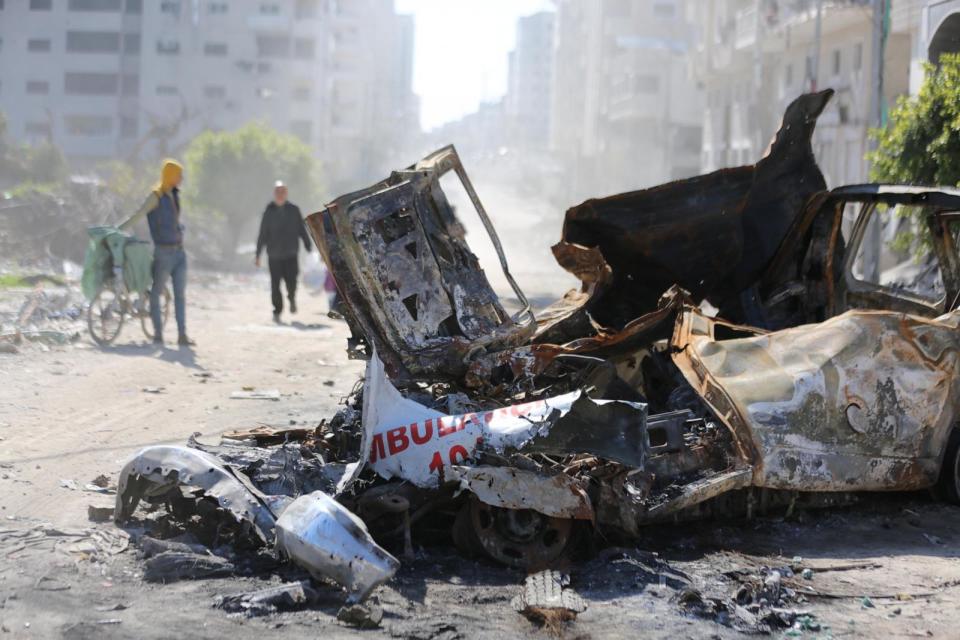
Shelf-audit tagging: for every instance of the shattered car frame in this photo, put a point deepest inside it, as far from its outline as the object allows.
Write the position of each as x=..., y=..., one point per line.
x=412, y=287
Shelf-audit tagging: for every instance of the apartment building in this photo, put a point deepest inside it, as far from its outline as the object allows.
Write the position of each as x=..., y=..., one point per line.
x=126, y=78
x=625, y=113
x=755, y=56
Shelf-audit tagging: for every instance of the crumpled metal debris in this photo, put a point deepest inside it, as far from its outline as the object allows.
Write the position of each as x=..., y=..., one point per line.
x=156, y=470
x=412, y=441
x=321, y=535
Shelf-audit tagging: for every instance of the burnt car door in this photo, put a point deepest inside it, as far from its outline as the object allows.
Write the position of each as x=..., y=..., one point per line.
x=412, y=288
x=932, y=287
x=820, y=272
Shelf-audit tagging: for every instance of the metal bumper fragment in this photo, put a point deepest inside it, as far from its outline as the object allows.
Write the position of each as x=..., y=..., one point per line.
x=323, y=537
x=156, y=470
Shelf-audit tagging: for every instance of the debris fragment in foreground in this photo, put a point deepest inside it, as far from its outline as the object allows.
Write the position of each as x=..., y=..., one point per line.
x=547, y=599
x=156, y=470
x=326, y=539
x=266, y=601
x=99, y=513
x=171, y=566
x=256, y=394
x=151, y=547
x=366, y=615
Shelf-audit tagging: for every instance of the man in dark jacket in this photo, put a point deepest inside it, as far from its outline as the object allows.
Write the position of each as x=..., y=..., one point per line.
x=281, y=229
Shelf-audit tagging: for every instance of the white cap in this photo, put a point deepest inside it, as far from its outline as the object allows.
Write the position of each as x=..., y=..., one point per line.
x=278, y=184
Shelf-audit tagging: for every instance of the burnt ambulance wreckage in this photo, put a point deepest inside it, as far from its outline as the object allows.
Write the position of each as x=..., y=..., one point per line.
x=621, y=405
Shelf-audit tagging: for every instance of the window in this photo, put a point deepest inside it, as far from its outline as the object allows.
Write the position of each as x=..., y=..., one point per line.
x=166, y=90
x=131, y=43
x=93, y=41
x=215, y=92
x=168, y=47
x=95, y=5
x=38, y=45
x=170, y=6
x=135, y=6
x=836, y=62
x=41, y=5
x=38, y=87
x=264, y=67
x=1, y=5
x=270, y=9
x=129, y=84
x=301, y=94
x=91, y=84
x=215, y=49
x=37, y=128
x=788, y=76
x=857, y=56
x=273, y=46
x=214, y=8
x=307, y=9
x=304, y=48
x=303, y=129
x=665, y=10
x=88, y=125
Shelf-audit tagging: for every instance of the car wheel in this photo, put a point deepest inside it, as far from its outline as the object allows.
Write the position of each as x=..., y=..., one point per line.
x=948, y=484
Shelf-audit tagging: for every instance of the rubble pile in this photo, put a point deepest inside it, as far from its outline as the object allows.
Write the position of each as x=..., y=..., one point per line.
x=51, y=312
x=528, y=441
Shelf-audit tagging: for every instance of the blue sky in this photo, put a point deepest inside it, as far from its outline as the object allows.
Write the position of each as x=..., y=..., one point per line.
x=460, y=56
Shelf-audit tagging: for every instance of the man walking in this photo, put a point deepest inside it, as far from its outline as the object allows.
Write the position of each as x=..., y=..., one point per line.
x=162, y=209
x=281, y=229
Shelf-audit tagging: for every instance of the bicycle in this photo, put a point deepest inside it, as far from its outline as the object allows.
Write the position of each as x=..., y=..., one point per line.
x=113, y=301
x=110, y=306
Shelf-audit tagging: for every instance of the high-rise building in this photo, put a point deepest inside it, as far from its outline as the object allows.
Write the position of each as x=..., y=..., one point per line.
x=530, y=77
x=625, y=113
x=756, y=56
x=121, y=78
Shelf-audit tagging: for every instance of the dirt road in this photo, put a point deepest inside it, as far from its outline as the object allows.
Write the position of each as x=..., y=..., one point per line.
x=887, y=567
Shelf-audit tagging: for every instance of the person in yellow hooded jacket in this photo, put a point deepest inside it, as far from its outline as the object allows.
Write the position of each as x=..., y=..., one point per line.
x=162, y=209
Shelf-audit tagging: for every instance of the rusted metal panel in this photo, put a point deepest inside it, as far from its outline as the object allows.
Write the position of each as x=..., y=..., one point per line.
x=411, y=285
x=863, y=401
x=557, y=496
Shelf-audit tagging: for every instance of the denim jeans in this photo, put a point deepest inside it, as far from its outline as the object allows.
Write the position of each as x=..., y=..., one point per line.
x=169, y=262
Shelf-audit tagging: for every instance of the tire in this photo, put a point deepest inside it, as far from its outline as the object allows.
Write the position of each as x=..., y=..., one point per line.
x=948, y=484
x=105, y=316
x=143, y=310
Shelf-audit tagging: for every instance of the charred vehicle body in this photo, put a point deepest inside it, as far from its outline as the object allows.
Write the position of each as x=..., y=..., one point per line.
x=622, y=404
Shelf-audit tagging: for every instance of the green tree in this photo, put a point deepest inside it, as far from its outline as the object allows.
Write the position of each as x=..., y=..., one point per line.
x=229, y=178
x=921, y=143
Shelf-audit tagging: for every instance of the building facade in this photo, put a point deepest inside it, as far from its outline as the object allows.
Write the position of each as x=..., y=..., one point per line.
x=127, y=78
x=626, y=114
x=755, y=56
x=530, y=78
